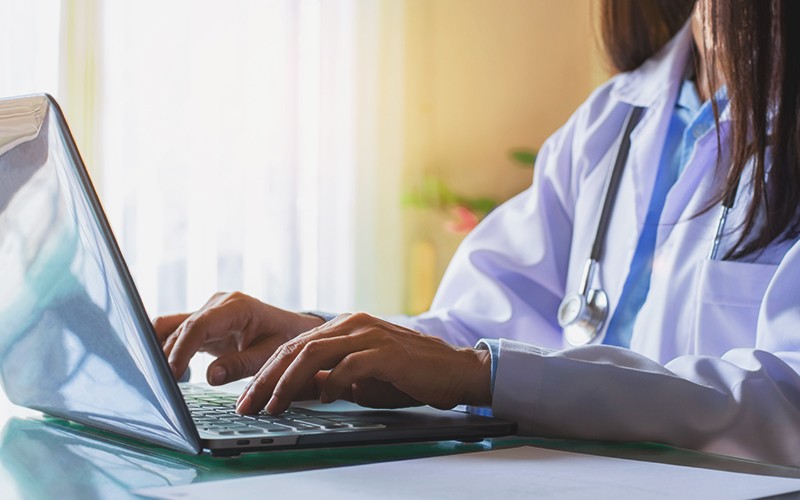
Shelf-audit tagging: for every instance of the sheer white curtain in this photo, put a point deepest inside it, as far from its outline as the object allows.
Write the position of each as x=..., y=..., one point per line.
x=228, y=147
x=29, y=47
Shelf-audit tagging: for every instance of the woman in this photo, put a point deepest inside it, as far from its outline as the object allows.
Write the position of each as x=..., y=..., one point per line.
x=701, y=346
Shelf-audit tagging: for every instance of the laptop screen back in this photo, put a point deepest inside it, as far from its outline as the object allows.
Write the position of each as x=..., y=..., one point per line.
x=75, y=341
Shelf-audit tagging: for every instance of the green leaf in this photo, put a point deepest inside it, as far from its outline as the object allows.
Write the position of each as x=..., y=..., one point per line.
x=432, y=193
x=523, y=157
x=481, y=206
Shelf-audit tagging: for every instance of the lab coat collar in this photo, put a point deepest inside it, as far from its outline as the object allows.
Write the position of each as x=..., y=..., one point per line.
x=654, y=80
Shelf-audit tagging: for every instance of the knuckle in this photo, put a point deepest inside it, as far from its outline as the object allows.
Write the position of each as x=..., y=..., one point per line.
x=287, y=349
x=313, y=348
x=160, y=325
x=189, y=326
x=360, y=318
x=377, y=335
x=388, y=342
x=342, y=318
x=237, y=367
x=259, y=383
x=353, y=363
x=249, y=365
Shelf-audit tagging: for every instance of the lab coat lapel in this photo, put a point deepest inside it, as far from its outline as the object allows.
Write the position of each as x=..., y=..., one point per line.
x=654, y=86
x=694, y=190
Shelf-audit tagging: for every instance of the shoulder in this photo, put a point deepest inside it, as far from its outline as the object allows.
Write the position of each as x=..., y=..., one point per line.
x=590, y=130
x=652, y=85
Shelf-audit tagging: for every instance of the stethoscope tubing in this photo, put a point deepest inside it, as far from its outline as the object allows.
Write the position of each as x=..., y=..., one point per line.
x=594, y=304
x=634, y=115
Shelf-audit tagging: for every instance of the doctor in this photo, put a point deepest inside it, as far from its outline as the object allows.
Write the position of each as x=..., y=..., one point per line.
x=664, y=309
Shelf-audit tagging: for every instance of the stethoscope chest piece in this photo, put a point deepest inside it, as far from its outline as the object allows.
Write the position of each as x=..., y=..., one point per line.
x=582, y=316
x=583, y=313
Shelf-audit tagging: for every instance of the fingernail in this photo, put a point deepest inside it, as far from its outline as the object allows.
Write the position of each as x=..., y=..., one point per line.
x=217, y=375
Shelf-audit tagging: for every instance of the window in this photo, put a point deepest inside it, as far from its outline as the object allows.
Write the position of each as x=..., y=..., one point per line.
x=234, y=144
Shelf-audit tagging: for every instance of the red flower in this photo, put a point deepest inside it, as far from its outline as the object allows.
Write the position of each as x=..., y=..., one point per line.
x=464, y=220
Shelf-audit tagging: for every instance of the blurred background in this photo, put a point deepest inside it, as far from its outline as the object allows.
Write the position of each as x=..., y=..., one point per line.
x=317, y=154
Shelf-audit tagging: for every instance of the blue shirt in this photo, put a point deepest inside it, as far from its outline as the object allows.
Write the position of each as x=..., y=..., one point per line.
x=690, y=121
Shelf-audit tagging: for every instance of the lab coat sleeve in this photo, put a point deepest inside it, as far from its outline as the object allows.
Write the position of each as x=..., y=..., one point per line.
x=745, y=403
x=507, y=278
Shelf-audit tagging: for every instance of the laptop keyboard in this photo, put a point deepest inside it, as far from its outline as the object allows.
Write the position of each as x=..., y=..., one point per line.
x=214, y=411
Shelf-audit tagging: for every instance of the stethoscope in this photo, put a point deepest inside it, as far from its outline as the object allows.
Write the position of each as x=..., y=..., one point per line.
x=582, y=314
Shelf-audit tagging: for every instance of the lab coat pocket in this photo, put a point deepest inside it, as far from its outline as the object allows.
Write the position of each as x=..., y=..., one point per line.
x=729, y=296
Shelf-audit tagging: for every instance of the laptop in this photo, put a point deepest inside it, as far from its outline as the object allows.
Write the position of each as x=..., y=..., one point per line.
x=77, y=344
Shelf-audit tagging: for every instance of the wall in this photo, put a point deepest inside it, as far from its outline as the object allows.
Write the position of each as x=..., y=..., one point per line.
x=484, y=76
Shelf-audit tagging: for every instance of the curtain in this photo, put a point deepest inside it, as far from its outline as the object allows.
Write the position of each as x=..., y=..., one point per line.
x=227, y=145
x=239, y=145
x=29, y=47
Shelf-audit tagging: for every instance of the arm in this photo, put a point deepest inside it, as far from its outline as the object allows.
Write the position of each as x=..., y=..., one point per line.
x=513, y=264
x=509, y=275
x=745, y=402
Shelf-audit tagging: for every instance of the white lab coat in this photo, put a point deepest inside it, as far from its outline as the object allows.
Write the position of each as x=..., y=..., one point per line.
x=715, y=352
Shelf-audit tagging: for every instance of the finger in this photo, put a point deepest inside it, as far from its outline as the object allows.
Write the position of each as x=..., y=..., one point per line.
x=316, y=356
x=166, y=325
x=352, y=368
x=280, y=386
x=284, y=355
x=170, y=342
x=238, y=365
x=200, y=327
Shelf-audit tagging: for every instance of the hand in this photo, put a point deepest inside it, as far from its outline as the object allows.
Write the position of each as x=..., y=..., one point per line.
x=372, y=363
x=242, y=331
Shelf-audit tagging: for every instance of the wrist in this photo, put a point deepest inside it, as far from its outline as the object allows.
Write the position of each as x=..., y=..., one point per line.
x=309, y=321
x=478, y=378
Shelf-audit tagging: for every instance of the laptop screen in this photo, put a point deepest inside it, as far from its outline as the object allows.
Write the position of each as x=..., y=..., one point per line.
x=75, y=341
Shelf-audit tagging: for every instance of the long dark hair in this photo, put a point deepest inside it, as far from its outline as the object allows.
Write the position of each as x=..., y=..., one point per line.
x=761, y=63
x=634, y=30
x=760, y=59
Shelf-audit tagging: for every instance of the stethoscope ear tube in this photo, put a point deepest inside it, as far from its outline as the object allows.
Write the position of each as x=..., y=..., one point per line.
x=727, y=204
x=583, y=313
x=634, y=116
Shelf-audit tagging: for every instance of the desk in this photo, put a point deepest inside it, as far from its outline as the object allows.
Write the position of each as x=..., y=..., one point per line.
x=49, y=458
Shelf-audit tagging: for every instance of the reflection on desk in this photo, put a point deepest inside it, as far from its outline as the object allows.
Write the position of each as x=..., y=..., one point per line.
x=41, y=459
x=51, y=458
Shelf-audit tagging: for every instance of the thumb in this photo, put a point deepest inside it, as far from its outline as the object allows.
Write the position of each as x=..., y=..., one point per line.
x=235, y=366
